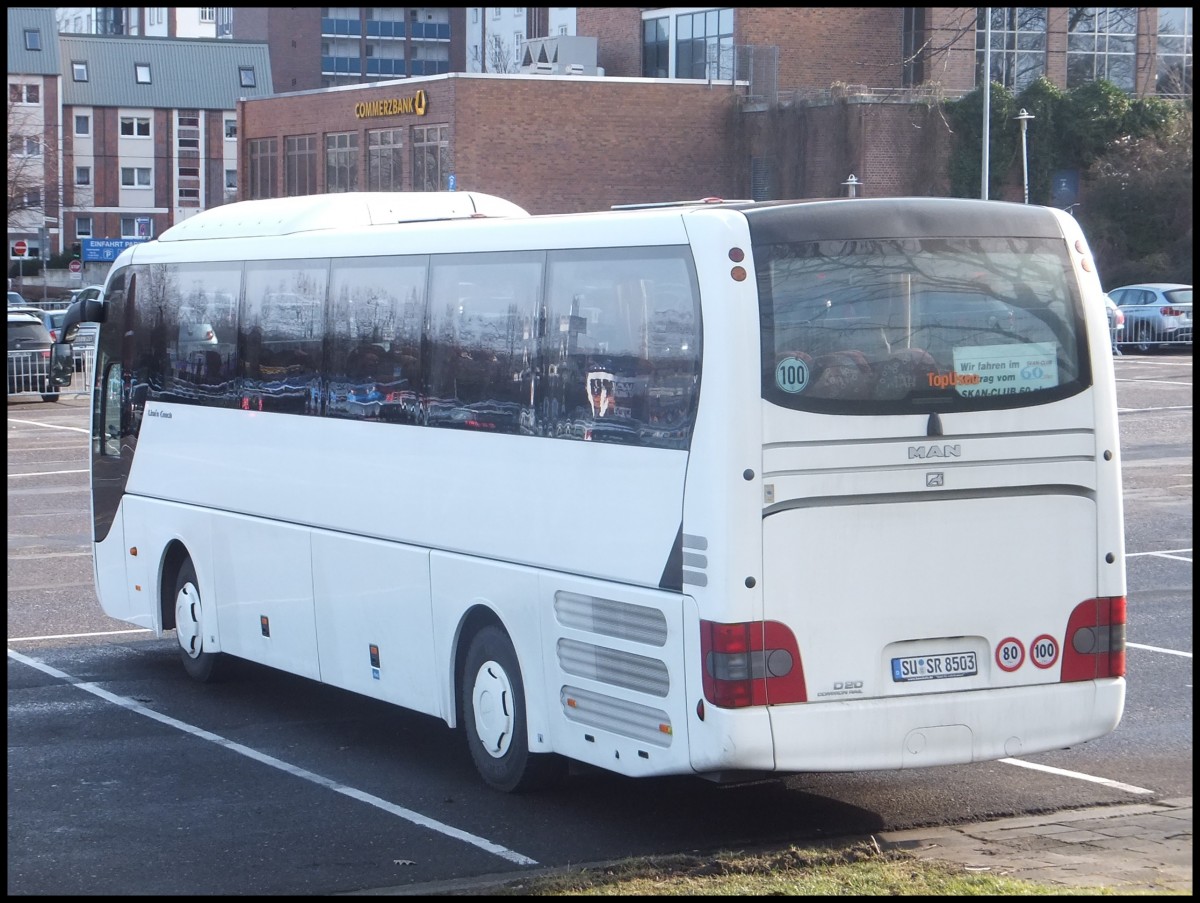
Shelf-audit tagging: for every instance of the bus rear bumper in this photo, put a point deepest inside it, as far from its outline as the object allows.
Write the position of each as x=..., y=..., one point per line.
x=945, y=729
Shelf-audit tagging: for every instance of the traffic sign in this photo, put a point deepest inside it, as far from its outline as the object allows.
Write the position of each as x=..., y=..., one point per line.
x=20, y=249
x=75, y=266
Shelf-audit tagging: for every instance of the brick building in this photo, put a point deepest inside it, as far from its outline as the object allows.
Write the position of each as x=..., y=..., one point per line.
x=738, y=102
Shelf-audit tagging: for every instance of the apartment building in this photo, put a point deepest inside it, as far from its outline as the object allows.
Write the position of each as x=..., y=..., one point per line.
x=121, y=136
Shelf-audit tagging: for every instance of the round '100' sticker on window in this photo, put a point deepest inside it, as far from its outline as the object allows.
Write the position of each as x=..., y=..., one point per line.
x=791, y=375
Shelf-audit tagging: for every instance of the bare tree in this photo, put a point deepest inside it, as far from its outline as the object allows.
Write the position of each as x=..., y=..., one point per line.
x=30, y=156
x=500, y=56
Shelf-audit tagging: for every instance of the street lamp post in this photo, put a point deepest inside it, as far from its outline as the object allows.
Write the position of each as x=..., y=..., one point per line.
x=1023, y=117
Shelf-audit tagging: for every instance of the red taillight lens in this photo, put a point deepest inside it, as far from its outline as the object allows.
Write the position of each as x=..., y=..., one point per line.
x=1095, y=641
x=1170, y=312
x=750, y=663
x=46, y=354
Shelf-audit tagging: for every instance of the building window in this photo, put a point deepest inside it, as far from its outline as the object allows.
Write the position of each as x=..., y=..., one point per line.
x=1018, y=45
x=495, y=12
x=299, y=165
x=208, y=14
x=83, y=125
x=231, y=179
x=32, y=198
x=27, y=146
x=83, y=227
x=1174, y=75
x=1101, y=44
x=431, y=157
x=33, y=39
x=136, y=227
x=188, y=131
x=913, y=47
x=341, y=162
x=141, y=73
x=135, y=126
x=79, y=71
x=230, y=128
x=246, y=77
x=384, y=150
x=262, y=168
x=83, y=175
x=22, y=93
x=135, y=177
x=656, y=48
x=704, y=45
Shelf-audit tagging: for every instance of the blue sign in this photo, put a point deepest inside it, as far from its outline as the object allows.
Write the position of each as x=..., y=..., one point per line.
x=106, y=249
x=451, y=182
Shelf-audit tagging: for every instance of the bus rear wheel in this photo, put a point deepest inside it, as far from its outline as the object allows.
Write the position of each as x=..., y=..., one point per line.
x=494, y=718
x=189, y=625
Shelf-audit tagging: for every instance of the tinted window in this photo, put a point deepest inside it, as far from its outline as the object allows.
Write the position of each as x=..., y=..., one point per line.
x=482, y=326
x=622, y=352
x=282, y=333
x=377, y=317
x=891, y=326
x=25, y=335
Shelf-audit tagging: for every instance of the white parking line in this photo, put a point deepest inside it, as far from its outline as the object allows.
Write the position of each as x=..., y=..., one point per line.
x=51, y=426
x=1158, y=649
x=408, y=815
x=45, y=473
x=1115, y=785
x=1173, y=554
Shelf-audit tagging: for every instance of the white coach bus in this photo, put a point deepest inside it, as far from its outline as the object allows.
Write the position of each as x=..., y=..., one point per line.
x=710, y=488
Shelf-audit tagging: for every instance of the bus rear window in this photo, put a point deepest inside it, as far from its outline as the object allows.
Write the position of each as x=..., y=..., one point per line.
x=897, y=326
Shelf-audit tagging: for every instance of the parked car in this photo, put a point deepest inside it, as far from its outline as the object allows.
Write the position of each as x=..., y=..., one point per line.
x=1157, y=314
x=88, y=293
x=1116, y=322
x=51, y=319
x=15, y=299
x=33, y=365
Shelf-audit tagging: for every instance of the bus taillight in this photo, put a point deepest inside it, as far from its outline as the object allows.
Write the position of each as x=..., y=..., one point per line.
x=1095, y=642
x=751, y=663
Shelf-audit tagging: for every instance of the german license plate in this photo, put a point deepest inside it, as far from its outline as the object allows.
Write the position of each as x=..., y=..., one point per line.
x=933, y=667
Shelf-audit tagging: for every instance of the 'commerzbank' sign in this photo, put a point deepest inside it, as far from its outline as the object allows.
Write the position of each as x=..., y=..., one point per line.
x=392, y=106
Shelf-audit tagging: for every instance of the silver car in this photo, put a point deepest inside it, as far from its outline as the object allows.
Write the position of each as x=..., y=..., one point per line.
x=1157, y=314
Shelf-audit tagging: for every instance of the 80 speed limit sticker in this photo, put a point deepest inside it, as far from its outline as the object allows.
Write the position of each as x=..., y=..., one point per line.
x=1044, y=651
x=1010, y=654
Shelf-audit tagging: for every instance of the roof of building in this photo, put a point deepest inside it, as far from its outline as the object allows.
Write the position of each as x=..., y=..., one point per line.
x=184, y=73
x=32, y=62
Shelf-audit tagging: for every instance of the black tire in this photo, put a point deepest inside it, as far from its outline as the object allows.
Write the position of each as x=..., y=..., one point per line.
x=1141, y=340
x=189, y=626
x=50, y=397
x=493, y=705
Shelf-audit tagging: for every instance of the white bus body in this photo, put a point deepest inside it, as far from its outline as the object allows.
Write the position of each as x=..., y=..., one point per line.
x=711, y=488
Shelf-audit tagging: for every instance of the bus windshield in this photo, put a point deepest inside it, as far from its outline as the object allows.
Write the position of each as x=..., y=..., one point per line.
x=873, y=326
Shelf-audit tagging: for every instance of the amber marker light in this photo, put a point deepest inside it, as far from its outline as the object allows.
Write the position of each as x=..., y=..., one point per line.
x=738, y=274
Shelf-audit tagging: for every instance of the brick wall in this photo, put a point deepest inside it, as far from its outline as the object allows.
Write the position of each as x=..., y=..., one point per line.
x=549, y=144
x=618, y=30
x=822, y=45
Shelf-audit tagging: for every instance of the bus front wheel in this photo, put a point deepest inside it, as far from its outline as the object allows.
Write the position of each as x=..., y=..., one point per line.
x=494, y=717
x=189, y=625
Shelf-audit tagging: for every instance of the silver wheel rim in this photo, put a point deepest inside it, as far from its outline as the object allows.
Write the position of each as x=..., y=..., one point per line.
x=188, y=617
x=492, y=701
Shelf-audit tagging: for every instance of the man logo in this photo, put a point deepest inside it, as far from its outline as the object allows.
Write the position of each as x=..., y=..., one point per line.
x=934, y=451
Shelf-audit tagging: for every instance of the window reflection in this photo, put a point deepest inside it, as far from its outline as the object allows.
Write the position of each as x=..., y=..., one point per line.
x=377, y=313
x=281, y=335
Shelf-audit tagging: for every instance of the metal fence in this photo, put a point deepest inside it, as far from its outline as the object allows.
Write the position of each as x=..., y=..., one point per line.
x=29, y=374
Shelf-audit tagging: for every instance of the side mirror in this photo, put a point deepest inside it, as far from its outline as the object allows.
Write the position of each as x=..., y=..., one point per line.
x=62, y=364
x=94, y=310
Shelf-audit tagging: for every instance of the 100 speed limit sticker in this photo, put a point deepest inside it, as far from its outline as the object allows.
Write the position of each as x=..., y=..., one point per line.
x=1043, y=652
